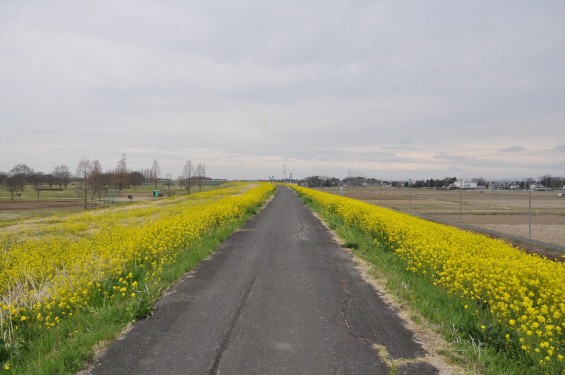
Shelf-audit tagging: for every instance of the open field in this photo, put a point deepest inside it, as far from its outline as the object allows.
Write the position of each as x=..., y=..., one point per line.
x=501, y=211
x=27, y=205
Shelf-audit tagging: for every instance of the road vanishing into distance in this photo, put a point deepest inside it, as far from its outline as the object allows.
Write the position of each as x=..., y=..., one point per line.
x=280, y=296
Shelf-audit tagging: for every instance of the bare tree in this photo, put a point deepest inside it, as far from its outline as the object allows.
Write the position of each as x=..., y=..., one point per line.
x=12, y=185
x=169, y=180
x=50, y=180
x=155, y=173
x=186, y=177
x=122, y=173
x=36, y=179
x=106, y=182
x=4, y=180
x=136, y=178
x=62, y=175
x=58, y=175
x=21, y=174
x=147, y=174
x=95, y=180
x=200, y=173
x=84, y=168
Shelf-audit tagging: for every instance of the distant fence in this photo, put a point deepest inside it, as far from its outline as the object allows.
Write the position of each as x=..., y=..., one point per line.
x=533, y=216
x=67, y=199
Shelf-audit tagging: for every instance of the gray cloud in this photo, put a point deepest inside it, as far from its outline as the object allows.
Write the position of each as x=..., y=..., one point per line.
x=513, y=149
x=559, y=148
x=389, y=88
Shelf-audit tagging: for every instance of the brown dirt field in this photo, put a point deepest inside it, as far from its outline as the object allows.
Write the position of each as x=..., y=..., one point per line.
x=554, y=234
x=55, y=205
x=29, y=209
x=39, y=205
x=537, y=219
x=502, y=211
x=441, y=201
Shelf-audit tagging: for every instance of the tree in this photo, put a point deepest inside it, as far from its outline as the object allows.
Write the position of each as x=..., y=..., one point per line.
x=95, y=180
x=185, y=180
x=147, y=174
x=313, y=181
x=4, y=181
x=21, y=174
x=324, y=181
x=551, y=182
x=136, y=178
x=122, y=173
x=12, y=185
x=84, y=168
x=155, y=173
x=200, y=173
x=36, y=179
x=62, y=175
x=50, y=180
x=479, y=181
x=168, y=180
x=106, y=182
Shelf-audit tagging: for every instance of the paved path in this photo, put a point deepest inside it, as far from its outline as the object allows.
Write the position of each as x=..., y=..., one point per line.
x=279, y=297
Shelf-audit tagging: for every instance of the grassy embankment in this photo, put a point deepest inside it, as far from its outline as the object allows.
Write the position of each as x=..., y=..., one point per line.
x=71, y=283
x=501, y=309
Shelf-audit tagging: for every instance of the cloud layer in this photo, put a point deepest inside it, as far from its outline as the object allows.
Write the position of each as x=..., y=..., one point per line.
x=391, y=90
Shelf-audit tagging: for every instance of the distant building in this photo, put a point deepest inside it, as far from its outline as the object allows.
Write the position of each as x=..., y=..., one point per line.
x=463, y=185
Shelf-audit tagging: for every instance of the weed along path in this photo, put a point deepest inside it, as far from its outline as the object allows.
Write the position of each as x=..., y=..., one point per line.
x=279, y=297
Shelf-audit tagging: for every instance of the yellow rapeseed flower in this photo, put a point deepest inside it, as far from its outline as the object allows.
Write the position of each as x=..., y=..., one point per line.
x=513, y=285
x=51, y=270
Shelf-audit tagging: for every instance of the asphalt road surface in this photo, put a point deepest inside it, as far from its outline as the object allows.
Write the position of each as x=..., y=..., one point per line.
x=279, y=297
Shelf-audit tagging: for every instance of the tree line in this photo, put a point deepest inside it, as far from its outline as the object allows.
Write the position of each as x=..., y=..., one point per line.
x=324, y=181
x=545, y=181
x=92, y=181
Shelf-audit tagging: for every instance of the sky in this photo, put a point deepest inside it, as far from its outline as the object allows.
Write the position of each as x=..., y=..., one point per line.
x=384, y=89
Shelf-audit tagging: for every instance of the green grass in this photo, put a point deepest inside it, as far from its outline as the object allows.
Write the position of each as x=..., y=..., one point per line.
x=76, y=203
x=433, y=307
x=66, y=348
x=71, y=192
x=8, y=218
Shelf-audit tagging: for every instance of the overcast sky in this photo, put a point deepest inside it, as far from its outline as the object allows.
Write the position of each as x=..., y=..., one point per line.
x=386, y=89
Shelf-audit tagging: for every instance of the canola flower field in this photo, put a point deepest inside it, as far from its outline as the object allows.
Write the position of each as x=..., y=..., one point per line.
x=54, y=268
x=519, y=297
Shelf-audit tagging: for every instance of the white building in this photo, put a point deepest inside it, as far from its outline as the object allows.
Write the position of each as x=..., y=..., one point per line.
x=463, y=185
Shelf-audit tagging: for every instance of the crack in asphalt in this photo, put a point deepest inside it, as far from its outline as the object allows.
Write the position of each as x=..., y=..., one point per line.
x=302, y=232
x=346, y=306
x=227, y=335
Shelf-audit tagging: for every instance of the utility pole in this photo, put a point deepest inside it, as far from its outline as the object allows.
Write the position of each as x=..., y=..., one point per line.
x=460, y=200
x=284, y=173
x=530, y=208
x=410, y=192
x=381, y=192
